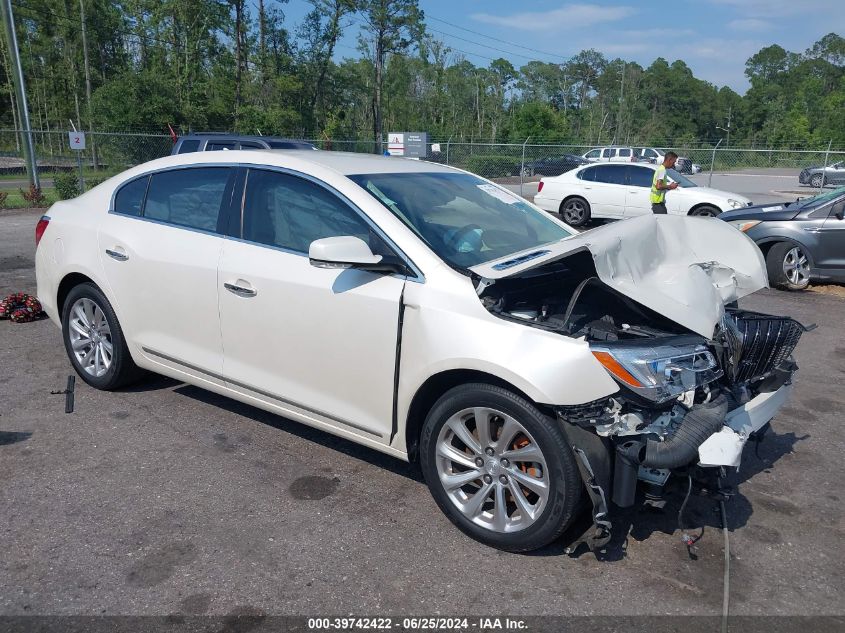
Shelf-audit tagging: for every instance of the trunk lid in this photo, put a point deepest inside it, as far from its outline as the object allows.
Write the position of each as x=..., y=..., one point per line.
x=684, y=268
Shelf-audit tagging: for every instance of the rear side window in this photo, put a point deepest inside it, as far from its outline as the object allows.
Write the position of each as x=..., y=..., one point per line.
x=188, y=197
x=611, y=174
x=189, y=146
x=640, y=176
x=608, y=152
x=130, y=198
x=624, y=152
x=291, y=212
x=250, y=145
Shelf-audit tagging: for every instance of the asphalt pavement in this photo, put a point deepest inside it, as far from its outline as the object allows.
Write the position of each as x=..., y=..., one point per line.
x=164, y=499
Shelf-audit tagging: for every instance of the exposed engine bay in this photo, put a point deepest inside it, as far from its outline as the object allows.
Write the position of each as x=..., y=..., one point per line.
x=681, y=395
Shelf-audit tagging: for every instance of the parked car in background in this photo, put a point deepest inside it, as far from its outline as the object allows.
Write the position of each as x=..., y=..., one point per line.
x=622, y=191
x=821, y=176
x=208, y=142
x=802, y=240
x=685, y=165
x=427, y=313
x=611, y=154
x=649, y=154
x=552, y=165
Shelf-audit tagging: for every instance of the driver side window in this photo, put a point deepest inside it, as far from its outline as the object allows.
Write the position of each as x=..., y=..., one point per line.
x=291, y=212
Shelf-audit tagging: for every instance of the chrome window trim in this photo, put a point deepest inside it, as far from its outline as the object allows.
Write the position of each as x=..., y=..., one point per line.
x=417, y=277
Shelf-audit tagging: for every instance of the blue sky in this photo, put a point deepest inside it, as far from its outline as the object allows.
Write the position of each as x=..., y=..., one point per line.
x=714, y=37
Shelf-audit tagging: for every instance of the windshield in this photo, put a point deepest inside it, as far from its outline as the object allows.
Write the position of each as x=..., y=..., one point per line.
x=462, y=218
x=822, y=198
x=682, y=181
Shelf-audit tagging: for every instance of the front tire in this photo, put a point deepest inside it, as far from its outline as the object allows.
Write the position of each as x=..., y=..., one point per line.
x=705, y=211
x=575, y=211
x=94, y=340
x=788, y=266
x=817, y=181
x=500, y=469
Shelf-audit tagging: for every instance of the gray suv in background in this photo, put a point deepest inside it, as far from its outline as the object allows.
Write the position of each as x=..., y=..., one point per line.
x=801, y=240
x=209, y=142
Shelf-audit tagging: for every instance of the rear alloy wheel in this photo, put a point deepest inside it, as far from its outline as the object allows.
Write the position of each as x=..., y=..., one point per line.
x=527, y=172
x=94, y=340
x=817, y=181
x=705, y=211
x=575, y=211
x=788, y=266
x=500, y=469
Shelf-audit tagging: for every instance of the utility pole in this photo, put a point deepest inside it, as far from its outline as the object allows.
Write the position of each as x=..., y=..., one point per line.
x=621, y=100
x=727, y=129
x=20, y=89
x=87, y=79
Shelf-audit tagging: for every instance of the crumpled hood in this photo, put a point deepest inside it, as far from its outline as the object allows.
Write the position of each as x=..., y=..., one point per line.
x=684, y=268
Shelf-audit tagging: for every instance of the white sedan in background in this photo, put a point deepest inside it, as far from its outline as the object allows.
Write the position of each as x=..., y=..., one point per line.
x=617, y=191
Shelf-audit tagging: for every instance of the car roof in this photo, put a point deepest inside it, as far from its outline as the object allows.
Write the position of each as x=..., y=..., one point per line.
x=346, y=163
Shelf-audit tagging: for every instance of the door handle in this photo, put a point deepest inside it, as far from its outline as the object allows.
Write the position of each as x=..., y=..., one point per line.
x=119, y=256
x=241, y=291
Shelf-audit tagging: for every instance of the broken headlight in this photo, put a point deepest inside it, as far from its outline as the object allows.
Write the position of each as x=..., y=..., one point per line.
x=659, y=372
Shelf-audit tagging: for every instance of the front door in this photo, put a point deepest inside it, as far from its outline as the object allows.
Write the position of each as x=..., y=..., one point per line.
x=831, y=236
x=317, y=342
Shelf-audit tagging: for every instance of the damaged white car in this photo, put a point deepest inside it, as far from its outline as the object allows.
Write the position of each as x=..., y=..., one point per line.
x=429, y=314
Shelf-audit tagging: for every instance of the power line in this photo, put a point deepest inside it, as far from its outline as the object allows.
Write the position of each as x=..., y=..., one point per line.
x=495, y=39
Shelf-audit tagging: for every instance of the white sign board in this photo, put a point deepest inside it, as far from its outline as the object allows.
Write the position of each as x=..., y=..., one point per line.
x=435, y=148
x=77, y=140
x=396, y=144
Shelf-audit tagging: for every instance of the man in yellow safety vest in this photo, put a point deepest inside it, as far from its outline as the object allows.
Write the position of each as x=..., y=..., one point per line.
x=660, y=185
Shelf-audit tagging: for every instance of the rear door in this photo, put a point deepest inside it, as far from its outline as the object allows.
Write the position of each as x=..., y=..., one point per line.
x=160, y=246
x=320, y=343
x=606, y=191
x=638, y=190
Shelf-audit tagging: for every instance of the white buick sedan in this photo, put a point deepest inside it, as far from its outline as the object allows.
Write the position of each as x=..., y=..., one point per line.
x=427, y=313
x=617, y=191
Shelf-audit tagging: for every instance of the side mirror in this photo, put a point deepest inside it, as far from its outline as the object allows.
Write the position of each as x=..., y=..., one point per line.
x=344, y=251
x=839, y=211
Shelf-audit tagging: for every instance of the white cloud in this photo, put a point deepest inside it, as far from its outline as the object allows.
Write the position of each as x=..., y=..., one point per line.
x=751, y=24
x=571, y=16
x=781, y=8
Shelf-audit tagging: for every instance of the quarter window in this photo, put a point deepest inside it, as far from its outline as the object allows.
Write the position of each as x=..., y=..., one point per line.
x=291, y=212
x=188, y=197
x=130, y=199
x=588, y=174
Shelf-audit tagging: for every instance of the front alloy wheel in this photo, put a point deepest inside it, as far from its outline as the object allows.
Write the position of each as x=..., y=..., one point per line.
x=788, y=266
x=499, y=468
x=817, y=181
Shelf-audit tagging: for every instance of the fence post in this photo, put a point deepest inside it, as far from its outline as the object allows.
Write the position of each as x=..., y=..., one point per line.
x=447, y=148
x=522, y=166
x=713, y=162
x=824, y=169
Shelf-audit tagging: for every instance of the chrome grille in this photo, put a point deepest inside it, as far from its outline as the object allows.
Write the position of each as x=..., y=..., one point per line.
x=757, y=344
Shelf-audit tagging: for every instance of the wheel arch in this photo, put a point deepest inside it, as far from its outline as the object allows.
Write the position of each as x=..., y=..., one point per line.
x=434, y=387
x=68, y=283
x=767, y=243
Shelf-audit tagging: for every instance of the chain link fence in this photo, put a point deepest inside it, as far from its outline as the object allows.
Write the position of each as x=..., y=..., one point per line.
x=514, y=164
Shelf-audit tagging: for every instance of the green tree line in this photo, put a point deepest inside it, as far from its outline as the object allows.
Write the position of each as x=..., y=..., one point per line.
x=141, y=65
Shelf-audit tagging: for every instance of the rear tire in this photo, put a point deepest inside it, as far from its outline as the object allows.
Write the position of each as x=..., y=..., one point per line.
x=788, y=266
x=94, y=340
x=575, y=211
x=475, y=476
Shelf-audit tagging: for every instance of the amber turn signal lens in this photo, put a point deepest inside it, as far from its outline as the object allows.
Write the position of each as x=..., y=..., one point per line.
x=614, y=367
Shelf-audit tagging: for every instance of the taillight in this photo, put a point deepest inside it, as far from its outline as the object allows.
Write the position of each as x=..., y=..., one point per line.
x=41, y=227
x=540, y=186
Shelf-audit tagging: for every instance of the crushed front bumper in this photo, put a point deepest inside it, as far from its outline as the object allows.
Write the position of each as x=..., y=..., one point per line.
x=725, y=447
